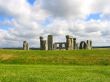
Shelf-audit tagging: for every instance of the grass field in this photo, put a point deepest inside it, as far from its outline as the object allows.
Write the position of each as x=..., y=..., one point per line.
x=54, y=73
x=77, y=57
x=55, y=66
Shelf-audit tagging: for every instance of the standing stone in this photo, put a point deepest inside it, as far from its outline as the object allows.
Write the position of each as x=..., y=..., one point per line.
x=69, y=42
x=60, y=46
x=89, y=44
x=25, y=45
x=74, y=44
x=43, y=44
x=77, y=46
x=55, y=46
x=50, y=42
x=83, y=45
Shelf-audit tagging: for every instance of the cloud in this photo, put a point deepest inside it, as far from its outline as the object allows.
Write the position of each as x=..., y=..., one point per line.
x=14, y=7
x=25, y=22
x=101, y=6
x=68, y=17
x=95, y=30
x=75, y=8
x=66, y=8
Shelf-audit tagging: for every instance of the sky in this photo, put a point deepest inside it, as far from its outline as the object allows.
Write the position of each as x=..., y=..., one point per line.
x=29, y=19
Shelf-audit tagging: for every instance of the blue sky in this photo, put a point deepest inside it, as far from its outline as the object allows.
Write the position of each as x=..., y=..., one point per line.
x=20, y=21
x=94, y=16
x=31, y=1
x=48, y=20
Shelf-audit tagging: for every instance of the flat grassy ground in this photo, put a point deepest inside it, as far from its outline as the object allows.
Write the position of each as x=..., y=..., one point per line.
x=54, y=73
x=77, y=57
x=55, y=66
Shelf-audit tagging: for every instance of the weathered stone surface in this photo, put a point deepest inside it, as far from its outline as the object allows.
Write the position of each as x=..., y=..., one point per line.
x=25, y=45
x=74, y=43
x=89, y=44
x=59, y=46
x=50, y=42
x=43, y=44
x=83, y=45
x=76, y=46
x=55, y=46
x=69, y=42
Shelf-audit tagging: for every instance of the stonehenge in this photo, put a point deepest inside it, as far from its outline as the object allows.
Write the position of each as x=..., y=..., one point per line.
x=70, y=44
x=25, y=45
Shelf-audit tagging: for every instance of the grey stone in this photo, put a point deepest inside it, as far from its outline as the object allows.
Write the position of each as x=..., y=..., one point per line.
x=50, y=42
x=25, y=45
x=69, y=42
x=74, y=44
x=83, y=45
x=59, y=46
x=43, y=44
x=89, y=44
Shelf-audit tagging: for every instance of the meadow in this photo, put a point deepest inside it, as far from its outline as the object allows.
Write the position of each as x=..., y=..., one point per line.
x=75, y=57
x=55, y=66
x=54, y=73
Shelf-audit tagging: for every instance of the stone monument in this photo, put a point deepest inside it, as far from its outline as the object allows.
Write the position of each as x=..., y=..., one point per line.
x=25, y=45
x=50, y=42
x=43, y=44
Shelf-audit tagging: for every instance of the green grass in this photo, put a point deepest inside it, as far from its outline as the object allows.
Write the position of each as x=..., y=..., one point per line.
x=55, y=66
x=77, y=57
x=54, y=73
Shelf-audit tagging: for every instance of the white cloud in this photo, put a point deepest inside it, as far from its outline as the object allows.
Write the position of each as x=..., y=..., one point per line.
x=25, y=22
x=75, y=8
x=101, y=6
x=67, y=8
x=14, y=7
x=68, y=18
x=95, y=30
